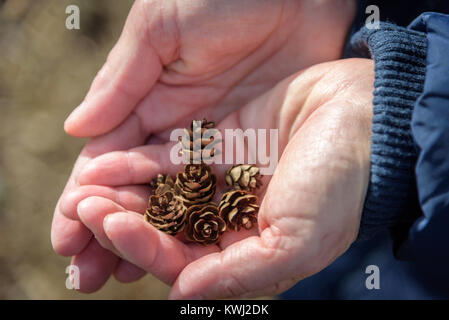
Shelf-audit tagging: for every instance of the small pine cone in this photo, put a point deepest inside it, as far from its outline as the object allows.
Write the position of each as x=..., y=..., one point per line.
x=243, y=177
x=203, y=224
x=162, y=184
x=196, y=184
x=166, y=212
x=195, y=142
x=239, y=209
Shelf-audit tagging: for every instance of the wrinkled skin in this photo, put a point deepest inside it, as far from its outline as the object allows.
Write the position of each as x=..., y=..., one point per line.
x=134, y=97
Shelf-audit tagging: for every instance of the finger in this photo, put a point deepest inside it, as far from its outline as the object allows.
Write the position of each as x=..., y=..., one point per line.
x=128, y=135
x=134, y=198
x=96, y=265
x=127, y=272
x=140, y=243
x=141, y=164
x=70, y=237
x=135, y=166
x=130, y=71
x=92, y=212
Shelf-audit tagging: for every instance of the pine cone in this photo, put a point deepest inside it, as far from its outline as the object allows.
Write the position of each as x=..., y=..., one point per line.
x=194, y=142
x=238, y=209
x=162, y=184
x=203, y=225
x=166, y=212
x=196, y=184
x=243, y=177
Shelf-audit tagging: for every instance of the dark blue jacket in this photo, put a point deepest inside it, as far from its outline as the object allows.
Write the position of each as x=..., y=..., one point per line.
x=428, y=238
x=408, y=195
x=409, y=187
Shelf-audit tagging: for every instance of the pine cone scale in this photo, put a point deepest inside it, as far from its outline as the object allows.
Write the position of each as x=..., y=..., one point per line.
x=232, y=214
x=243, y=177
x=250, y=200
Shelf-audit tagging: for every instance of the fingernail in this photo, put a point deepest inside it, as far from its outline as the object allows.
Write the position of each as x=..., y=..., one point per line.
x=73, y=115
x=83, y=205
x=107, y=222
x=82, y=208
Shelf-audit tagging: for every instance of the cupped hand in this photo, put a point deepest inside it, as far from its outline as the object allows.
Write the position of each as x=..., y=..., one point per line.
x=311, y=206
x=173, y=61
x=177, y=57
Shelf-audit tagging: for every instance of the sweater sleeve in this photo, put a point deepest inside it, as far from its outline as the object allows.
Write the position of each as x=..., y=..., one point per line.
x=399, y=55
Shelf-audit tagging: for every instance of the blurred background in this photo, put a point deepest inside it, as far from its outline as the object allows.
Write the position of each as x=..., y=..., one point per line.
x=45, y=71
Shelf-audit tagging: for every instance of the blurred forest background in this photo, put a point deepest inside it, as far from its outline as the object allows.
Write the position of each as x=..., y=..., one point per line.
x=45, y=71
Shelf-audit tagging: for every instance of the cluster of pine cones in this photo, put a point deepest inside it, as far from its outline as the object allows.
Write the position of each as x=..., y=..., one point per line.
x=186, y=203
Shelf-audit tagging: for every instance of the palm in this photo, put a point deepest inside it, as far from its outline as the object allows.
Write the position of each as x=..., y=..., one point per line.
x=306, y=219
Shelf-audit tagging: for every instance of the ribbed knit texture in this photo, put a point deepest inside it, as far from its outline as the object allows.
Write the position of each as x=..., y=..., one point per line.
x=400, y=64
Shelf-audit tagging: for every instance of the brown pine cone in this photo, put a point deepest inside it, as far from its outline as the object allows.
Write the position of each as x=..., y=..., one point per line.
x=162, y=184
x=195, y=142
x=203, y=225
x=243, y=177
x=238, y=209
x=196, y=184
x=166, y=212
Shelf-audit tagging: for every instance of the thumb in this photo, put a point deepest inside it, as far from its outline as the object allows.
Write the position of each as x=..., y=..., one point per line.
x=129, y=73
x=254, y=266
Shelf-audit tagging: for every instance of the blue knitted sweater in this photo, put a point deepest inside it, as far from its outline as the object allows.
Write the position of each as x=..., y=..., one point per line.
x=400, y=64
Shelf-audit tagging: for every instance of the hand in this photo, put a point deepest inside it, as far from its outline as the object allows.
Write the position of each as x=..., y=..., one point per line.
x=311, y=207
x=176, y=62
x=175, y=58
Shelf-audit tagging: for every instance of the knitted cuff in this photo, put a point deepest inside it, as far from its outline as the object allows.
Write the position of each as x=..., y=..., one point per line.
x=399, y=55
